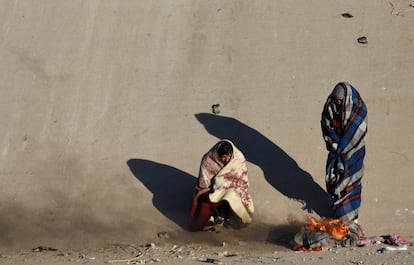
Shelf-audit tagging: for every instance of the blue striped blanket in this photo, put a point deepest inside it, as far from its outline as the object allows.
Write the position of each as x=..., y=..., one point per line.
x=345, y=141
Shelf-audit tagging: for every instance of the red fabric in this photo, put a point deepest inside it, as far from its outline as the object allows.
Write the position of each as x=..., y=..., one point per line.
x=304, y=249
x=200, y=212
x=202, y=209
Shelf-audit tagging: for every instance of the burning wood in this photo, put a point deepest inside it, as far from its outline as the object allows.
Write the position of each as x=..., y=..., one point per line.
x=333, y=227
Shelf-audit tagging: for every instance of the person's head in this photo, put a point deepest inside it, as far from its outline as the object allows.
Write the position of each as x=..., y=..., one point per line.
x=338, y=94
x=225, y=152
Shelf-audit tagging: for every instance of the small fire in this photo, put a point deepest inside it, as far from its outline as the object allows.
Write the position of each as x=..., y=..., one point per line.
x=334, y=227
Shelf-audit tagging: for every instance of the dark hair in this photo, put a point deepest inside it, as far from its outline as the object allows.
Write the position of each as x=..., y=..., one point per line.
x=225, y=148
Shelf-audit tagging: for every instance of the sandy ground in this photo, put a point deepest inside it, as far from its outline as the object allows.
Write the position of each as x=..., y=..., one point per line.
x=106, y=113
x=241, y=252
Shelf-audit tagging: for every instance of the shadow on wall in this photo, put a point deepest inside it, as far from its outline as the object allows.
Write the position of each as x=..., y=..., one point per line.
x=172, y=188
x=280, y=170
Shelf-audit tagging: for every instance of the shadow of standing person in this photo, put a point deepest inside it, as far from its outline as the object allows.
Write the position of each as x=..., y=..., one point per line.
x=279, y=169
x=172, y=188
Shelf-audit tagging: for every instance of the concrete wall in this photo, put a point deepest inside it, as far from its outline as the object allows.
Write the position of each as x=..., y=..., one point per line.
x=106, y=111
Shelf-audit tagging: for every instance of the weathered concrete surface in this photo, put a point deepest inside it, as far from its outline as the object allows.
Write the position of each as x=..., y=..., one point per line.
x=106, y=112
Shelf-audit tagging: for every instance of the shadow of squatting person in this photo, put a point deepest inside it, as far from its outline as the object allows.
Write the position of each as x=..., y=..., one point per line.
x=344, y=129
x=222, y=195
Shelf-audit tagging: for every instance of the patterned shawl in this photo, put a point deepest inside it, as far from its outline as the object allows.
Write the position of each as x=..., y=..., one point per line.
x=227, y=182
x=344, y=167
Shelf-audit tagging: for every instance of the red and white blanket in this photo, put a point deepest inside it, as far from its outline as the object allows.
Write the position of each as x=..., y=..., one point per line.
x=227, y=182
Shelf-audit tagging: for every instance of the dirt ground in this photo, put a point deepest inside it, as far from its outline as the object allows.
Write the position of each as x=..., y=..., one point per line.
x=107, y=110
x=168, y=251
x=252, y=245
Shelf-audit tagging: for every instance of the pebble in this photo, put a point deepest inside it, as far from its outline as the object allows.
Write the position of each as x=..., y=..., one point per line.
x=163, y=235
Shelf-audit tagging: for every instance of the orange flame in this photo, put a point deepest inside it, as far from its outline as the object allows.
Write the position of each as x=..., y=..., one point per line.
x=334, y=227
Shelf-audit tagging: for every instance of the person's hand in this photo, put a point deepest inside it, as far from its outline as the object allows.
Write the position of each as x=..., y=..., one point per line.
x=331, y=145
x=334, y=147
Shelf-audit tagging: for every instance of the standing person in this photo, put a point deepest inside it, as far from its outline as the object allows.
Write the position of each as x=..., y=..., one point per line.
x=222, y=190
x=344, y=128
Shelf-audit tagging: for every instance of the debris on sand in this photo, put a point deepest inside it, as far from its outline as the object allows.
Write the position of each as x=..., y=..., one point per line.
x=363, y=40
x=347, y=15
x=163, y=235
x=126, y=260
x=393, y=248
x=215, y=108
x=84, y=256
x=42, y=248
x=210, y=260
